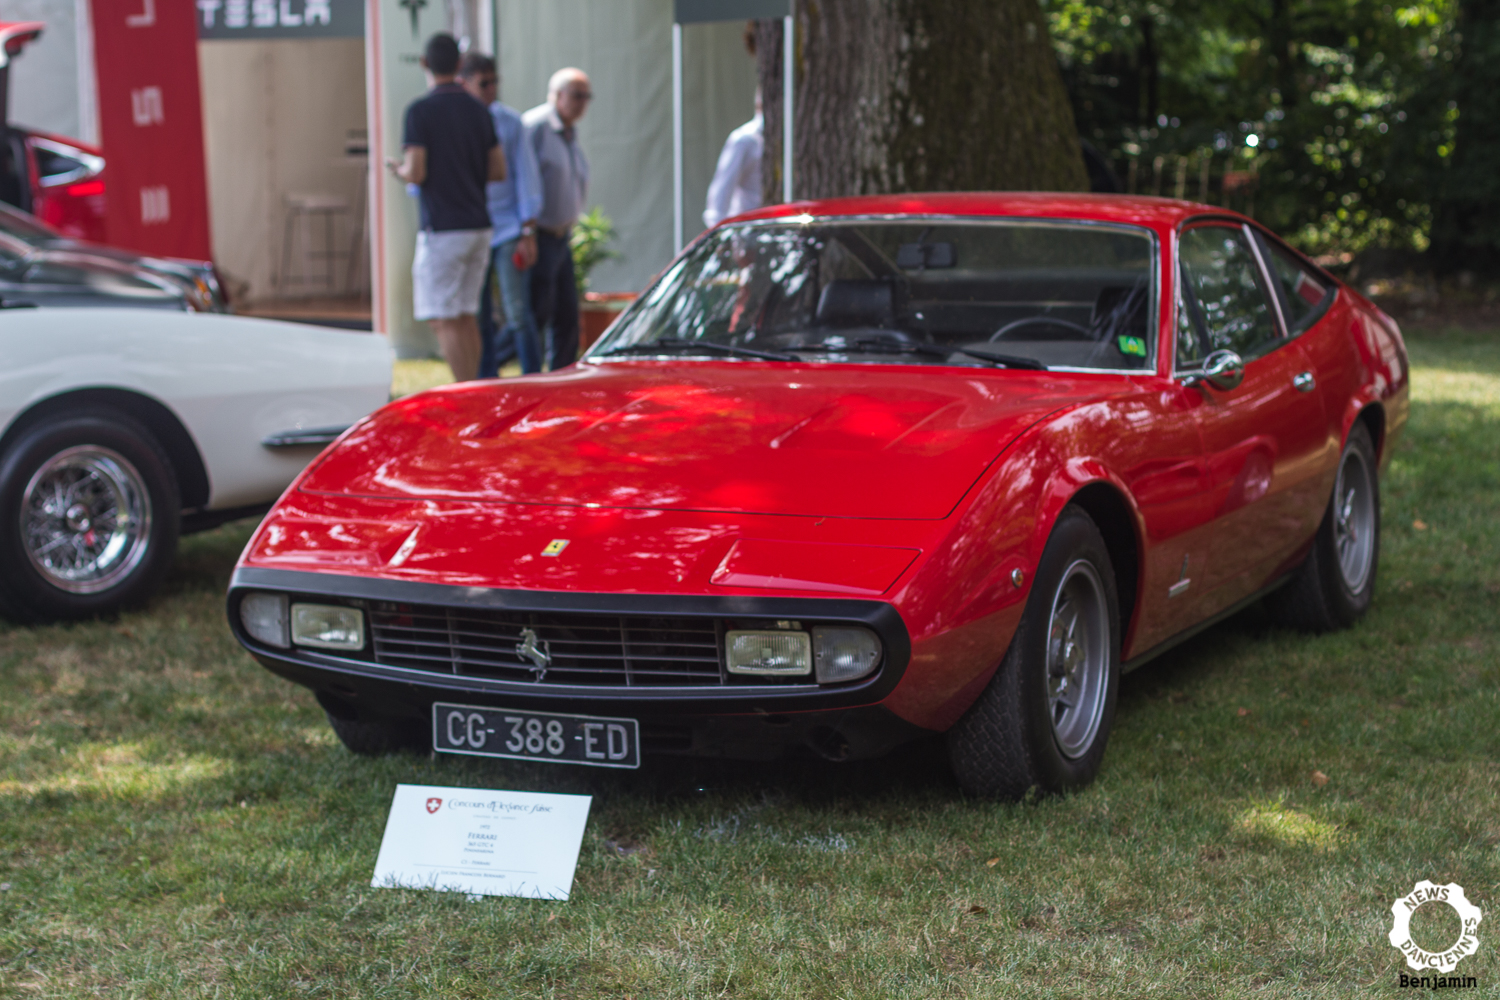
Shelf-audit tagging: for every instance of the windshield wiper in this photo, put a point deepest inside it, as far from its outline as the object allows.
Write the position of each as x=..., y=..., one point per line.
x=873, y=346
x=682, y=345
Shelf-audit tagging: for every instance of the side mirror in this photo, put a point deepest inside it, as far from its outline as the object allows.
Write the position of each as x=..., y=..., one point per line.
x=1221, y=369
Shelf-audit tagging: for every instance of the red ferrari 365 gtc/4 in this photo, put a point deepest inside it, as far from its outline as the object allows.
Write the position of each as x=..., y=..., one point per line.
x=847, y=473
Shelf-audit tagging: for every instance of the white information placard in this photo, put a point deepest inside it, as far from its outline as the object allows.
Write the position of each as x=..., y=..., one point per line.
x=483, y=841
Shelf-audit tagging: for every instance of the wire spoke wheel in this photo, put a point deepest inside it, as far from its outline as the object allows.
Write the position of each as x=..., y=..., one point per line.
x=1078, y=658
x=86, y=519
x=1354, y=520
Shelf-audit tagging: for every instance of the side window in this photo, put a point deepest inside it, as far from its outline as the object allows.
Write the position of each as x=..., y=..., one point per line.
x=1305, y=296
x=1222, y=296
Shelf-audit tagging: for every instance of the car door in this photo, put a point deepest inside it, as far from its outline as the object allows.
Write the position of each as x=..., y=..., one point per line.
x=1264, y=439
x=1324, y=327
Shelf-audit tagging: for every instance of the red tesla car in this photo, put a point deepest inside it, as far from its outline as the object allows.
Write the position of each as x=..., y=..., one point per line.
x=60, y=181
x=848, y=473
x=64, y=184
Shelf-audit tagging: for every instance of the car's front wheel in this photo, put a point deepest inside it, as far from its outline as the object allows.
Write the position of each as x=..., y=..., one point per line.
x=371, y=738
x=89, y=514
x=1044, y=720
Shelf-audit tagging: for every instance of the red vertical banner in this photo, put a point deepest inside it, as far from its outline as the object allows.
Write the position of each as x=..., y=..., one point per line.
x=151, y=126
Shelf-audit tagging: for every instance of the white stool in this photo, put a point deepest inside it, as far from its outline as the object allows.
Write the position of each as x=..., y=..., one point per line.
x=317, y=265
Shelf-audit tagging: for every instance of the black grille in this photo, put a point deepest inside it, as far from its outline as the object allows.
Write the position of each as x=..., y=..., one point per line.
x=603, y=650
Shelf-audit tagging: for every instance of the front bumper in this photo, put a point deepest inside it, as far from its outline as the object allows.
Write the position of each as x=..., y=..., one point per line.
x=738, y=717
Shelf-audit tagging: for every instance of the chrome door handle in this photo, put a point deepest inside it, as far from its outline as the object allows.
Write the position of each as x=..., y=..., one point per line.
x=1304, y=382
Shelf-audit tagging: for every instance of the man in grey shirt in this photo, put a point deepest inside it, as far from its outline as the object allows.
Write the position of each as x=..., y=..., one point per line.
x=565, y=181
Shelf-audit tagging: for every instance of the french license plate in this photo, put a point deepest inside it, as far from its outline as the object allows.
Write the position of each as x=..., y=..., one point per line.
x=567, y=739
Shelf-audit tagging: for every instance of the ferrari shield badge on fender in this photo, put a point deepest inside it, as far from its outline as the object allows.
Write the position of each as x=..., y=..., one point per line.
x=555, y=547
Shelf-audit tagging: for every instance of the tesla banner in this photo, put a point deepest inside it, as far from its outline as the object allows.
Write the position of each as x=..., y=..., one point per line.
x=253, y=19
x=151, y=126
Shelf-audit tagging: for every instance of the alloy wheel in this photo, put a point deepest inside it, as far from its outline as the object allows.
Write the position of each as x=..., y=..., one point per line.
x=1077, y=658
x=1354, y=520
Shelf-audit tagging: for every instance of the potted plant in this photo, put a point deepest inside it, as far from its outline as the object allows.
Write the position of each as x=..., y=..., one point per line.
x=597, y=310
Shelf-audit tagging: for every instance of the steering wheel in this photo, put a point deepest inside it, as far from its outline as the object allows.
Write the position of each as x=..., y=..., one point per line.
x=1057, y=329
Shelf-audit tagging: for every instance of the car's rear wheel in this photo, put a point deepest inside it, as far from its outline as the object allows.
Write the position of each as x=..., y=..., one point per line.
x=1335, y=584
x=89, y=515
x=1044, y=720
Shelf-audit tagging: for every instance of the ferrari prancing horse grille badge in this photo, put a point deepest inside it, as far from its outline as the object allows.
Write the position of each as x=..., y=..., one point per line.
x=555, y=547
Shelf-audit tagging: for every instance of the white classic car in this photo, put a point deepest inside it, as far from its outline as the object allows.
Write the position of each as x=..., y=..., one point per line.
x=122, y=428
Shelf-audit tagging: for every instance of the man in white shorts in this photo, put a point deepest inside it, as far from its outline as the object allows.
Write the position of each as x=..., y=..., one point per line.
x=450, y=153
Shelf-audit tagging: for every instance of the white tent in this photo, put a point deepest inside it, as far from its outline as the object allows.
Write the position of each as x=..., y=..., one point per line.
x=626, y=46
x=712, y=11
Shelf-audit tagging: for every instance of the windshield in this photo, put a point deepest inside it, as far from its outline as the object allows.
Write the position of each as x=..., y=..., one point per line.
x=1012, y=293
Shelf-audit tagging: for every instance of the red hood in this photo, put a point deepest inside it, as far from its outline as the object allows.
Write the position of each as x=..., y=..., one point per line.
x=817, y=440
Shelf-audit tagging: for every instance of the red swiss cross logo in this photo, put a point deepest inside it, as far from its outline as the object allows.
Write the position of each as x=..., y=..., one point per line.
x=434, y=804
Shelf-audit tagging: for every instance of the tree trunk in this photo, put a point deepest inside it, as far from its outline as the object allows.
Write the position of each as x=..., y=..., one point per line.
x=909, y=95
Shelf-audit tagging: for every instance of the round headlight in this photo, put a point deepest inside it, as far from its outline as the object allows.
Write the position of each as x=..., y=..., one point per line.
x=844, y=653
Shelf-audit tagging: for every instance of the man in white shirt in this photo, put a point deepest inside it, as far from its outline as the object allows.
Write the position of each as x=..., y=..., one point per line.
x=736, y=184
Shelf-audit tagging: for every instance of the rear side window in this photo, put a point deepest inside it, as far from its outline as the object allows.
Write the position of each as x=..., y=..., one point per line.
x=1305, y=295
x=50, y=164
x=1222, y=303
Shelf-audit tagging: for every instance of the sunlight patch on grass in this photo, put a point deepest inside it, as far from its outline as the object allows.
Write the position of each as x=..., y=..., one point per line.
x=120, y=770
x=1276, y=822
x=418, y=375
x=1444, y=385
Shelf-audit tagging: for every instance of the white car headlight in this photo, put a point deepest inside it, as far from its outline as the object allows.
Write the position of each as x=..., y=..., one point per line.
x=264, y=617
x=768, y=653
x=844, y=653
x=328, y=626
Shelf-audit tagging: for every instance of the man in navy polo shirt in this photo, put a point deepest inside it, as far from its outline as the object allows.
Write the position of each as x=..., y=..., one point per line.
x=450, y=152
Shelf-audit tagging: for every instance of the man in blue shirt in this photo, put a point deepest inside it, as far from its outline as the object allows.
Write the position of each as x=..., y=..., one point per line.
x=513, y=206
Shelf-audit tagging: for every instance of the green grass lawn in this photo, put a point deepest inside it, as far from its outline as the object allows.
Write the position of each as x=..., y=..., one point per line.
x=416, y=374
x=176, y=822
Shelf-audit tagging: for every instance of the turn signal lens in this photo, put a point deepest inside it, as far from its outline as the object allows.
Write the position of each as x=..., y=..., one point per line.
x=773, y=654
x=264, y=617
x=844, y=654
x=327, y=626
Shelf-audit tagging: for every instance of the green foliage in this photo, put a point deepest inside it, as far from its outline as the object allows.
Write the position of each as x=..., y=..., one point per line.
x=590, y=244
x=1466, y=223
x=1332, y=116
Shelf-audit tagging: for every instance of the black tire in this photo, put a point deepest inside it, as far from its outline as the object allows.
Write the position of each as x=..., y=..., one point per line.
x=375, y=739
x=1333, y=587
x=113, y=543
x=1011, y=741
x=372, y=737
